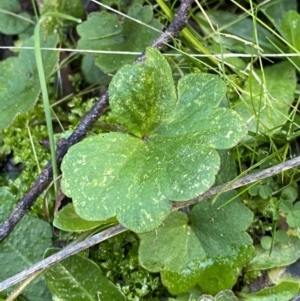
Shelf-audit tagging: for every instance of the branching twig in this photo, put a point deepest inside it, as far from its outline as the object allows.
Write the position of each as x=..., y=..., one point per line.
x=78, y=247
x=44, y=179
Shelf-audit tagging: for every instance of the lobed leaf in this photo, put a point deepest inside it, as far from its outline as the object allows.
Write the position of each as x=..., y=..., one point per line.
x=204, y=248
x=168, y=155
x=106, y=31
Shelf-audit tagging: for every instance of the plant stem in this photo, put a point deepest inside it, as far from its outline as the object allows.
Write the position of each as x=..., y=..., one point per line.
x=47, y=108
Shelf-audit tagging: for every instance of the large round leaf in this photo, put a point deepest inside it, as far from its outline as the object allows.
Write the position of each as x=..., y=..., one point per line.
x=169, y=153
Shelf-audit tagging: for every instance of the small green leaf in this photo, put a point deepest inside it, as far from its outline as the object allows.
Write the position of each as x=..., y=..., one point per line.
x=79, y=279
x=67, y=219
x=24, y=247
x=19, y=81
x=284, y=291
x=106, y=31
x=291, y=29
x=168, y=155
x=13, y=25
x=289, y=193
x=282, y=254
x=254, y=190
x=266, y=106
x=265, y=191
x=286, y=206
x=205, y=248
x=266, y=242
x=293, y=217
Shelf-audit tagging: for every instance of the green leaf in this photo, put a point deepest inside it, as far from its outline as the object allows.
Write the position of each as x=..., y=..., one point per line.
x=77, y=278
x=205, y=248
x=289, y=193
x=291, y=29
x=266, y=242
x=106, y=31
x=92, y=74
x=170, y=154
x=241, y=27
x=286, y=206
x=19, y=82
x=287, y=197
x=293, y=217
x=284, y=291
x=282, y=254
x=10, y=24
x=67, y=219
x=275, y=10
x=24, y=247
x=73, y=8
x=254, y=190
x=265, y=191
x=266, y=106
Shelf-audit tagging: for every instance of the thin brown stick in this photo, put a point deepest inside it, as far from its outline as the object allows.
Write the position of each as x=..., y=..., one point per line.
x=78, y=247
x=44, y=179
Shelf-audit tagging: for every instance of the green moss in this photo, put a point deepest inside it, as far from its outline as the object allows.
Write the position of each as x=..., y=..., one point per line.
x=22, y=139
x=118, y=259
